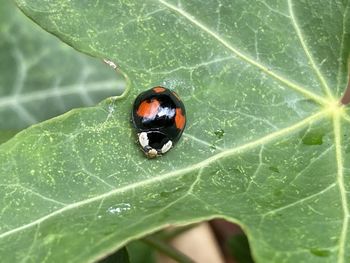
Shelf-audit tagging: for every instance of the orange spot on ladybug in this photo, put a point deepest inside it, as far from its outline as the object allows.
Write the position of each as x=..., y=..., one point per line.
x=180, y=119
x=158, y=89
x=148, y=109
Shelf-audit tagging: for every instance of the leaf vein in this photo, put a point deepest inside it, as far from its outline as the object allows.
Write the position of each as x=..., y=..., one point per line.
x=202, y=141
x=243, y=56
x=307, y=52
x=26, y=189
x=300, y=200
x=63, y=91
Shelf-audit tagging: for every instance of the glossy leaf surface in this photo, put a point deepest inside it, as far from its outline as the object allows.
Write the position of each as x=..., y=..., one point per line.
x=266, y=143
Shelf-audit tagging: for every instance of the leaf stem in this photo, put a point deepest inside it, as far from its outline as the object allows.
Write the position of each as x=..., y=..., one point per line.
x=346, y=98
x=167, y=249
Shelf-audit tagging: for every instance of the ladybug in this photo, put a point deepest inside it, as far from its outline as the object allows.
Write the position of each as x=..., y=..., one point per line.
x=159, y=118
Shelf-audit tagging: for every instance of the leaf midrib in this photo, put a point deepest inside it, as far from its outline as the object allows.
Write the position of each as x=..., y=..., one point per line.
x=341, y=185
x=307, y=52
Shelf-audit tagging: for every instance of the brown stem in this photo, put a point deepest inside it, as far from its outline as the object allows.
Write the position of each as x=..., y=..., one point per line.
x=346, y=98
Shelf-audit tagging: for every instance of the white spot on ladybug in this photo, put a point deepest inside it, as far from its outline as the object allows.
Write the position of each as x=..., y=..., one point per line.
x=143, y=139
x=170, y=113
x=166, y=147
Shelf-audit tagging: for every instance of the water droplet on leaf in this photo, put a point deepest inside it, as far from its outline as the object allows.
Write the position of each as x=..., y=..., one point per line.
x=119, y=208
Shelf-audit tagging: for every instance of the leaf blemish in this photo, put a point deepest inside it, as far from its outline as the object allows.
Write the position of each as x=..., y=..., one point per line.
x=274, y=169
x=219, y=133
x=320, y=252
x=313, y=137
x=278, y=192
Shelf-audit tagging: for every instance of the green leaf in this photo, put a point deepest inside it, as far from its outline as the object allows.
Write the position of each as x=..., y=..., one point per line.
x=6, y=135
x=257, y=78
x=121, y=256
x=139, y=252
x=41, y=77
x=239, y=248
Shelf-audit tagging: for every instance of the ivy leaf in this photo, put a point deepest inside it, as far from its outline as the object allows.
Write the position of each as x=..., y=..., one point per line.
x=41, y=77
x=121, y=256
x=239, y=248
x=266, y=144
x=6, y=135
x=140, y=252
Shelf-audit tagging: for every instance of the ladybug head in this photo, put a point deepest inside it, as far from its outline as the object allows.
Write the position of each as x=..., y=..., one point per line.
x=154, y=143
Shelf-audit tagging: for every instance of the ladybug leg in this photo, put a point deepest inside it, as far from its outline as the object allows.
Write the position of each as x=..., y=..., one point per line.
x=147, y=148
x=166, y=147
x=150, y=152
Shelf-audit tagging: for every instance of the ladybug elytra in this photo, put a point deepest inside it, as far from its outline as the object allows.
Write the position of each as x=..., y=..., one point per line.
x=159, y=118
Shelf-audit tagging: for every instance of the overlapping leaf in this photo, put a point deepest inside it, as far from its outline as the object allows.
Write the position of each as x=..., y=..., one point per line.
x=42, y=77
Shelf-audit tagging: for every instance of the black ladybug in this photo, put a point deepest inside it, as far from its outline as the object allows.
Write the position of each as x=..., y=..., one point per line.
x=159, y=118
